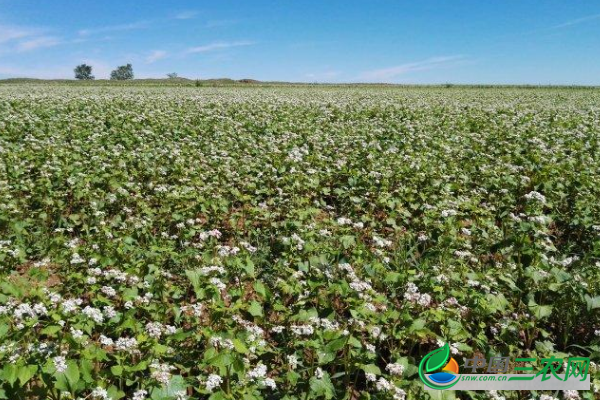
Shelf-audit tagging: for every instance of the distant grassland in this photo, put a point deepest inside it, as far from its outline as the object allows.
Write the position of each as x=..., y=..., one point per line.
x=253, y=82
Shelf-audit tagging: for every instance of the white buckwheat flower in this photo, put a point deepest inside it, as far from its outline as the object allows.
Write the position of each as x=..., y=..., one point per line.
x=292, y=361
x=259, y=372
x=94, y=314
x=213, y=382
x=319, y=373
x=60, y=364
x=537, y=196
x=100, y=393
x=395, y=369
x=140, y=395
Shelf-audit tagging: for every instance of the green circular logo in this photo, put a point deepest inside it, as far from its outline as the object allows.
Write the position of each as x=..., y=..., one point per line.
x=435, y=360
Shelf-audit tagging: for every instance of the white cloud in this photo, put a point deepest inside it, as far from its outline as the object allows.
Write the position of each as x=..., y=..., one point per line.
x=37, y=43
x=11, y=33
x=115, y=28
x=385, y=74
x=218, y=46
x=23, y=39
x=155, y=56
x=577, y=21
x=186, y=15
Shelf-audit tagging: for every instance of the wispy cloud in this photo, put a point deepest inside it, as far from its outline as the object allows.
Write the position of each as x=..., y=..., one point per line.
x=577, y=21
x=219, y=46
x=186, y=15
x=37, y=43
x=115, y=28
x=155, y=55
x=10, y=33
x=21, y=39
x=385, y=74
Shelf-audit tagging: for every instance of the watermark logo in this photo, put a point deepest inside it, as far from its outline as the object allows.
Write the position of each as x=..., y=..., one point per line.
x=439, y=359
x=439, y=371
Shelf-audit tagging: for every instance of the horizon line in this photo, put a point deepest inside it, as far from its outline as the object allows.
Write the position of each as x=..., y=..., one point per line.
x=252, y=81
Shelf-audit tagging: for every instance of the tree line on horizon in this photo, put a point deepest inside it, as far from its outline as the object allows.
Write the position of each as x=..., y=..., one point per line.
x=121, y=73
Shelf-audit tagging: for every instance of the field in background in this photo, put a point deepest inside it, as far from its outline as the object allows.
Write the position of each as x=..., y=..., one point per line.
x=290, y=241
x=248, y=82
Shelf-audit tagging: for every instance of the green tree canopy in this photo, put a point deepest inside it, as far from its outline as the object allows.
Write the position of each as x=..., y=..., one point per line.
x=122, y=73
x=83, y=72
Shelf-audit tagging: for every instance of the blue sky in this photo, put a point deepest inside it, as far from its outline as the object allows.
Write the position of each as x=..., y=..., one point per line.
x=425, y=41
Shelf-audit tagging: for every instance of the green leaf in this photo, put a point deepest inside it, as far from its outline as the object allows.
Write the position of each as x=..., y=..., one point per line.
x=496, y=302
x=592, y=302
x=371, y=369
x=417, y=325
x=255, y=309
x=25, y=373
x=239, y=346
x=51, y=330
x=194, y=276
x=292, y=377
x=542, y=311
x=249, y=267
x=409, y=369
x=325, y=357
x=168, y=392
x=539, y=311
x=238, y=364
x=260, y=289
x=10, y=373
x=221, y=360
x=61, y=382
x=3, y=330
x=442, y=395
x=336, y=345
x=347, y=241
x=322, y=387
x=116, y=370
x=216, y=396
x=72, y=373
x=86, y=368
x=392, y=277
x=160, y=348
x=114, y=393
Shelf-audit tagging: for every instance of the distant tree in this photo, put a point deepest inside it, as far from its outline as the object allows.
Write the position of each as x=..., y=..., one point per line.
x=172, y=75
x=122, y=73
x=83, y=72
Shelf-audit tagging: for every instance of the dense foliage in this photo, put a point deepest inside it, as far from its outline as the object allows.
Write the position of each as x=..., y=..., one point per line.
x=122, y=73
x=83, y=72
x=297, y=243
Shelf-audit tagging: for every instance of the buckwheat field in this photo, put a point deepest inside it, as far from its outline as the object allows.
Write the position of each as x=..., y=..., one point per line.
x=291, y=242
